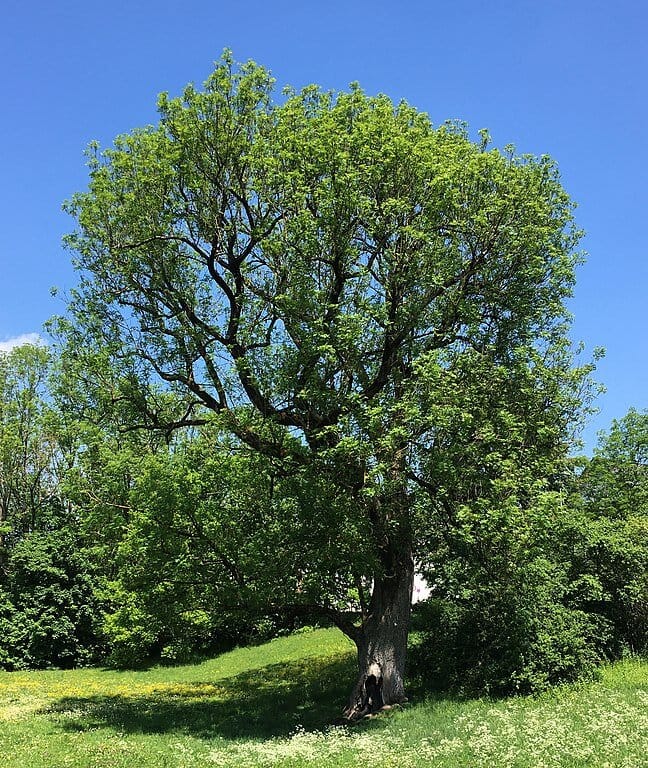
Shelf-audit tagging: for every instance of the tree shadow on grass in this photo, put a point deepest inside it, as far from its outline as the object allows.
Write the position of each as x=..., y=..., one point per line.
x=260, y=704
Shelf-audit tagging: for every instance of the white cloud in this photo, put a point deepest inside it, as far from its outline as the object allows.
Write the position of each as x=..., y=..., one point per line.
x=18, y=341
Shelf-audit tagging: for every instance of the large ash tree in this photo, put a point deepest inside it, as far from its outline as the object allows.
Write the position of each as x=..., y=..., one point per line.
x=328, y=277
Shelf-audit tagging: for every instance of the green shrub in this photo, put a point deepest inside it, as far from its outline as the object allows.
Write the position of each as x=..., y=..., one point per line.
x=48, y=610
x=505, y=642
x=513, y=609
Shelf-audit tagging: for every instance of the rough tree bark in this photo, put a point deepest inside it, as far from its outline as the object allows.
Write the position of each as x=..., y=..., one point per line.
x=381, y=641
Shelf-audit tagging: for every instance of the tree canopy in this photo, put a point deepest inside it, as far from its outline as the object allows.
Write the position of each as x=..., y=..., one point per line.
x=373, y=305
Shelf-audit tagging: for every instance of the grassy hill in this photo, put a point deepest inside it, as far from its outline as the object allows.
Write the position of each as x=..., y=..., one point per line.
x=272, y=705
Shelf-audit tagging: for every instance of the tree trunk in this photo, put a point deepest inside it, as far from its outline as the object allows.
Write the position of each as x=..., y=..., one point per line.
x=382, y=642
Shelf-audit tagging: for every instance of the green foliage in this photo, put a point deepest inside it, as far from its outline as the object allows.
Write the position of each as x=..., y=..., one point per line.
x=536, y=589
x=614, y=491
x=511, y=612
x=132, y=632
x=49, y=614
x=500, y=530
x=503, y=642
x=28, y=450
x=218, y=548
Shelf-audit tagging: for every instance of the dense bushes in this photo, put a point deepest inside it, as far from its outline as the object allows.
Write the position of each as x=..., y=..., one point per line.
x=49, y=611
x=202, y=562
x=511, y=611
x=523, y=600
x=499, y=641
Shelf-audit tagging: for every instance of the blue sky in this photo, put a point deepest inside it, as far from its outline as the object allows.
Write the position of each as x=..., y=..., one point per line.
x=566, y=78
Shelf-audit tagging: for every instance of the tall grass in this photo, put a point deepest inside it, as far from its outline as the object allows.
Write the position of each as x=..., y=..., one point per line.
x=273, y=705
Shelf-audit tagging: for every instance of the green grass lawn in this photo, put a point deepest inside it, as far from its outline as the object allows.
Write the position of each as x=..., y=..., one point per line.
x=272, y=705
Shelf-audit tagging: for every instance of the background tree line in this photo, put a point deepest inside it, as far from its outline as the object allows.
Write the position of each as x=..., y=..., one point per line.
x=126, y=546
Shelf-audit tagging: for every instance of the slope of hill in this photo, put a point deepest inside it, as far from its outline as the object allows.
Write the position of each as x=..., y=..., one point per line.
x=271, y=705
